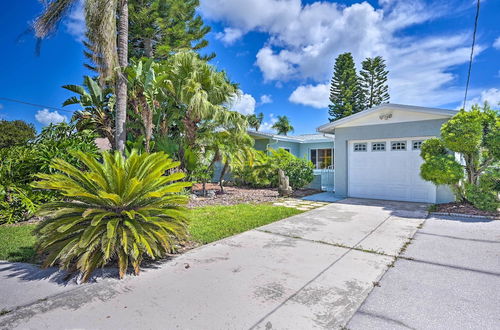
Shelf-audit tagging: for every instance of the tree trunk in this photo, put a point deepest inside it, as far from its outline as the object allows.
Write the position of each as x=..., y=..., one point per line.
x=121, y=81
x=148, y=47
x=221, y=178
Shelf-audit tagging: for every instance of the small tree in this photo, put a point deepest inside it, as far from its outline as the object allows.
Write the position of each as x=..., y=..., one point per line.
x=475, y=136
x=373, y=82
x=283, y=126
x=16, y=132
x=345, y=93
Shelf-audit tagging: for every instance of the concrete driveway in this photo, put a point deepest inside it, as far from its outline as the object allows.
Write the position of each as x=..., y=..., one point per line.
x=451, y=280
x=312, y=270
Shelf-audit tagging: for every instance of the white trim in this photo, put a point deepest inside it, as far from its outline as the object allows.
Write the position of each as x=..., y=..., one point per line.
x=387, y=106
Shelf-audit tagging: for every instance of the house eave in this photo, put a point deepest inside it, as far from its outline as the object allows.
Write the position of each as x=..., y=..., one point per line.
x=330, y=127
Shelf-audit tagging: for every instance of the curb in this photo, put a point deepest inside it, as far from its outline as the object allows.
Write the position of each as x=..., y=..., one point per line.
x=464, y=215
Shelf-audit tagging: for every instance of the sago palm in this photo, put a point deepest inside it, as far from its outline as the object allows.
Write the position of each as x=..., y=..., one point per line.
x=122, y=210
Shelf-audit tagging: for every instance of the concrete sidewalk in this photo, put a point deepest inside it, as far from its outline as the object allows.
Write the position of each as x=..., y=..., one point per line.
x=451, y=281
x=312, y=270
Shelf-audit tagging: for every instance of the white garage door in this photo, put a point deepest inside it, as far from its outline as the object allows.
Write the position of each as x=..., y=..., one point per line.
x=388, y=169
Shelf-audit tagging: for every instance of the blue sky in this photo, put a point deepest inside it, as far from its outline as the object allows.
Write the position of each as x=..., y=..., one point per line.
x=281, y=52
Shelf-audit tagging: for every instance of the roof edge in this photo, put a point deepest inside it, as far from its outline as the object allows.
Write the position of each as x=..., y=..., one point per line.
x=413, y=108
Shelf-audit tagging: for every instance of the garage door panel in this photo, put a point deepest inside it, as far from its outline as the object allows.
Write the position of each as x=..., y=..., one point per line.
x=392, y=175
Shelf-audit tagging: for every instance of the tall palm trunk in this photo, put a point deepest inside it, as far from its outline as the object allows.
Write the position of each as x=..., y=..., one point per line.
x=121, y=81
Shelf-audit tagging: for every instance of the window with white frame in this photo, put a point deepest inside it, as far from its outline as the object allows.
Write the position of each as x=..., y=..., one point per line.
x=398, y=145
x=417, y=145
x=359, y=147
x=378, y=146
x=322, y=158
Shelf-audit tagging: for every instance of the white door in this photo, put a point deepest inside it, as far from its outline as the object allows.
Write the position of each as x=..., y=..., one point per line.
x=388, y=169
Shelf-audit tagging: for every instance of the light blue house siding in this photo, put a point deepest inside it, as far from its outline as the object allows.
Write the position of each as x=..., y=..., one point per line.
x=386, y=131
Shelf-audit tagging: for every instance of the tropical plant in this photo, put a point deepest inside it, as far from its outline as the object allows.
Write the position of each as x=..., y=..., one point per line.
x=255, y=120
x=474, y=136
x=15, y=133
x=123, y=210
x=98, y=108
x=230, y=146
x=145, y=94
x=373, y=82
x=282, y=125
x=159, y=28
x=262, y=169
x=257, y=172
x=345, y=93
x=107, y=31
x=197, y=93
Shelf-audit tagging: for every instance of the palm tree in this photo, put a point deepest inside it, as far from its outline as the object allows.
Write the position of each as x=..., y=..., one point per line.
x=199, y=93
x=283, y=125
x=254, y=121
x=107, y=31
x=97, y=106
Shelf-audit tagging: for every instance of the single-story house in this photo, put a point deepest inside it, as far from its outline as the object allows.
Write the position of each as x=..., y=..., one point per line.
x=372, y=154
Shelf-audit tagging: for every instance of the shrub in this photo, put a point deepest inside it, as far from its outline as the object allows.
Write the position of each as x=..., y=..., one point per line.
x=15, y=133
x=262, y=171
x=19, y=164
x=482, y=197
x=118, y=210
x=298, y=170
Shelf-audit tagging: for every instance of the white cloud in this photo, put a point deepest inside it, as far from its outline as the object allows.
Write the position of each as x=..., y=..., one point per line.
x=266, y=125
x=47, y=117
x=243, y=103
x=315, y=96
x=75, y=24
x=304, y=40
x=229, y=36
x=492, y=96
x=496, y=43
x=265, y=99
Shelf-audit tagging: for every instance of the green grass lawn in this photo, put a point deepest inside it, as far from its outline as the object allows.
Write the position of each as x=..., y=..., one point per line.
x=208, y=224
x=17, y=243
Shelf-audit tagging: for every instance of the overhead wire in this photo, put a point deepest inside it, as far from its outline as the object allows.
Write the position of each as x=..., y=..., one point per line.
x=33, y=104
x=472, y=51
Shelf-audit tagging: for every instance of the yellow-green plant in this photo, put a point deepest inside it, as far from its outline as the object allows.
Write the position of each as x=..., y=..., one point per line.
x=120, y=209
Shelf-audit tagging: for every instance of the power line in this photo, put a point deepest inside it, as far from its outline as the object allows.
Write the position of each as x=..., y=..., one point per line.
x=472, y=51
x=33, y=104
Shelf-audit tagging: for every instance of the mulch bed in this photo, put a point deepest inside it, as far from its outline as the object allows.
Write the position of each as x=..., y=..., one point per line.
x=238, y=195
x=464, y=208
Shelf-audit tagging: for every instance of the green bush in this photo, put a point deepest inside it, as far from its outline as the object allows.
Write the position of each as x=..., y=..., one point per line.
x=298, y=170
x=482, y=197
x=262, y=171
x=15, y=133
x=19, y=164
x=119, y=210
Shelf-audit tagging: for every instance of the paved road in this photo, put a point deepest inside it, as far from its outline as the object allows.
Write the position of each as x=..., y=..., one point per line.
x=452, y=283
x=312, y=270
